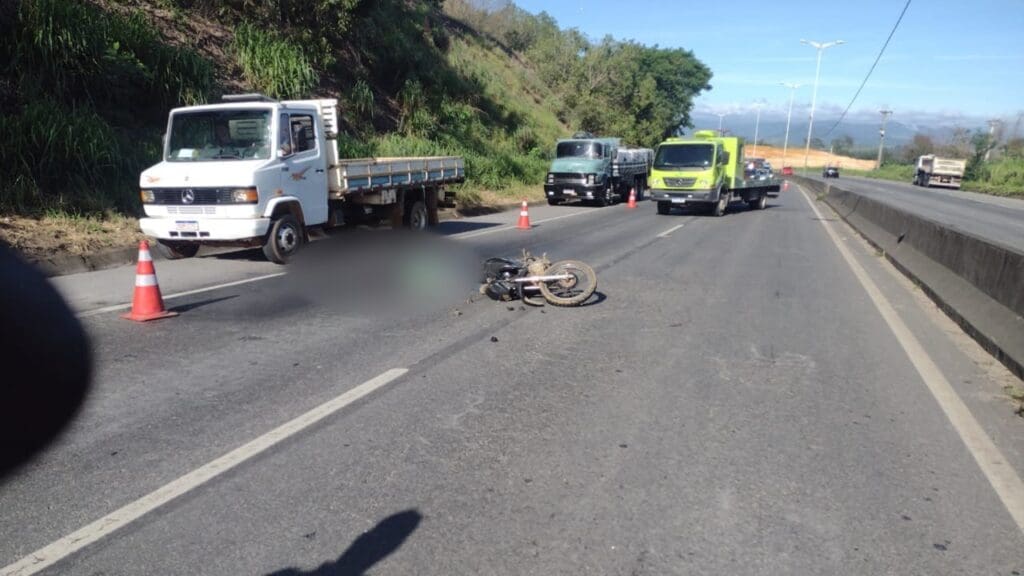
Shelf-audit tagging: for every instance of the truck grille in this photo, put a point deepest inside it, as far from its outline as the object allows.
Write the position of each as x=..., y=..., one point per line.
x=680, y=182
x=180, y=196
x=567, y=178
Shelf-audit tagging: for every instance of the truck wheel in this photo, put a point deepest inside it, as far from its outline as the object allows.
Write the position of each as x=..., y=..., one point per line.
x=641, y=189
x=759, y=204
x=283, y=239
x=416, y=218
x=554, y=201
x=664, y=207
x=719, y=207
x=176, y=250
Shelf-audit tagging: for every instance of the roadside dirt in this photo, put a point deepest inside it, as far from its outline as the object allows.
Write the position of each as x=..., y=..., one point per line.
x=46, y=237
x=795, y=158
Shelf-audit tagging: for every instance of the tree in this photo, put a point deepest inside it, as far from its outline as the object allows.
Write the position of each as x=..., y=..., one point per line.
x=843, y=144
x=920, y=145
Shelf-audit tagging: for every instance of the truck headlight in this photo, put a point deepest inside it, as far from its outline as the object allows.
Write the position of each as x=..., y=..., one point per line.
x=245, y=196
x=147, y=196
x=551, y=178
x=656, y=182
x=703, y=182
x=590, y=178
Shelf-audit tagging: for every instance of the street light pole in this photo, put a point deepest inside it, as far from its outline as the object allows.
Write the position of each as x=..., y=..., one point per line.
x=881, y=136
x=820, y=47
x=789, y=116
x=720, y=117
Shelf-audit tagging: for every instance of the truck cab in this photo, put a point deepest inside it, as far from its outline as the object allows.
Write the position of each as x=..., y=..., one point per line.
x=582, y=170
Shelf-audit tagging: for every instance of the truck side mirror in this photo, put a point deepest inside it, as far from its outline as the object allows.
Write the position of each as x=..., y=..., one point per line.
x=724, y=158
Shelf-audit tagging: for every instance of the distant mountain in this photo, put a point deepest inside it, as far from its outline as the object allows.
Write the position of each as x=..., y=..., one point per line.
x=864, y=133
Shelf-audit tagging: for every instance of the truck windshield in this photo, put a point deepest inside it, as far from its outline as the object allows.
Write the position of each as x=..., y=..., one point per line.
x=218, y=135
x=685, y=156
x=579, y=150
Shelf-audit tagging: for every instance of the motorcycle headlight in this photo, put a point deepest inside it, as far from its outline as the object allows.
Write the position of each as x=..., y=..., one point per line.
x=147, y=196
x=590, y=178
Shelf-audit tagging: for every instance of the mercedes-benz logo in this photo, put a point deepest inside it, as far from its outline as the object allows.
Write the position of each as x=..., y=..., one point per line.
x=188, y=196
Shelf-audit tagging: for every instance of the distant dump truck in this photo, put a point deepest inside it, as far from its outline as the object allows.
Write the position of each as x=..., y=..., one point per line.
x=596, y=170
x=708, y=171
x=935, y=171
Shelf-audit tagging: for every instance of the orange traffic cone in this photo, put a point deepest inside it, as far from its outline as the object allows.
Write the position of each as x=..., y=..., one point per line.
x=524, y=218
x=147, y=303
x=632, y=198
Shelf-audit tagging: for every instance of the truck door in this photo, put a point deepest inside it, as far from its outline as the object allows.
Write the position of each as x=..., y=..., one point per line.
x=303, y=170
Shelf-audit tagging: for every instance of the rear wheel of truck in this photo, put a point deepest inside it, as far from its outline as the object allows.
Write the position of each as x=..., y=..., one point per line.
x=416, y=218
x=664, y=207
x=760, y=204
x=641, y=188
x=172, y=250
x=283, y=240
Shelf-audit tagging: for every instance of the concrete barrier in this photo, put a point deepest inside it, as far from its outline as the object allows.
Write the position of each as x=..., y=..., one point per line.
x=979, y=283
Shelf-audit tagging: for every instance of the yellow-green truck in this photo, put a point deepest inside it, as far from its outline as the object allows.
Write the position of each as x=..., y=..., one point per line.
x=705, y=171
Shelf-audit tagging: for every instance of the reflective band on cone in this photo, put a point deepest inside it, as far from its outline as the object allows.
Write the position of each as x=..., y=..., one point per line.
x=147, y=303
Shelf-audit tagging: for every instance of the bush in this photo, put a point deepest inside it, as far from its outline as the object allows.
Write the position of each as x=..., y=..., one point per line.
x=272, y=64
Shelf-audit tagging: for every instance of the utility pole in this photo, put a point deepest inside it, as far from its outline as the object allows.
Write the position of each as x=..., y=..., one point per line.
x=820, y=47
x=720, y=117
x=881, y=136
x=992, y=125
x=789, y=116
x=757, y=125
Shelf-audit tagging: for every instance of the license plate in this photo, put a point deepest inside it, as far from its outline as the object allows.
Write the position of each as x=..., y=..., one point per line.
x=569, y=192
x=187, y=226
x=679, y=200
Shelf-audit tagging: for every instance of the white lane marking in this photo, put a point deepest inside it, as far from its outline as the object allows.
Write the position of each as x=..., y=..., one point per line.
x=62, y=548
x=999, y=472
x=465, y=235
x=669, y=232
x=117, y=307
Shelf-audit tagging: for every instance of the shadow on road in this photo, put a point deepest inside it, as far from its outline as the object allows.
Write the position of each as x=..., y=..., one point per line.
x=201, y=303
x=459, y=226
x=368, y=549
x=594, y=300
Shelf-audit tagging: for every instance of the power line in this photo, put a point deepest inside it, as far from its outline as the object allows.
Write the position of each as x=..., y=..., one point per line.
x=862, y=84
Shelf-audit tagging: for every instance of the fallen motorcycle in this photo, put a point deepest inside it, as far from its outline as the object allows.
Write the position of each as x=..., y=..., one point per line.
x=564, y=283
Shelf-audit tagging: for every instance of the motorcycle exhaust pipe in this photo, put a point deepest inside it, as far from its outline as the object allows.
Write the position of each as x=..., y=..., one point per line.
x=547, y=278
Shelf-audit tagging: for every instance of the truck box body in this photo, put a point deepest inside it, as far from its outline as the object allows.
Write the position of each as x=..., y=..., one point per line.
x=705, y=169
x=596, y=169
x=230, y=170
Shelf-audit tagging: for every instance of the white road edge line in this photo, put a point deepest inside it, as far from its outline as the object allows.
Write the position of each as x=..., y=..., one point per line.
x=999, y=472
x=117, y=307
x=669, y=232
x=512, y=227
x=62, y=548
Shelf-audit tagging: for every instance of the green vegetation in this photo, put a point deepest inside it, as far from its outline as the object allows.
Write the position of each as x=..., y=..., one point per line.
x=89, y=85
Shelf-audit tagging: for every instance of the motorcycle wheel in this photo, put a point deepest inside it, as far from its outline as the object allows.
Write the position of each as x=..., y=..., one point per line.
x=570, y=291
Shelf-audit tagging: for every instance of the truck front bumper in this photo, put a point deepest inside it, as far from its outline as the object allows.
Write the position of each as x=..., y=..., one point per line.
x=683, y=196
x=205, y=229
x=572, y=191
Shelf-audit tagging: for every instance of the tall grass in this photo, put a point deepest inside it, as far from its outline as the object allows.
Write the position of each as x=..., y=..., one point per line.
x=272, y=64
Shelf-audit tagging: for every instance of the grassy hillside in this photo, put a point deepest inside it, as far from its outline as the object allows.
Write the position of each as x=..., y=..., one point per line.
x=86, y=90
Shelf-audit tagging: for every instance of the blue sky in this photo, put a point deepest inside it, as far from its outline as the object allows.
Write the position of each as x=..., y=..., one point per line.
x=949, y=60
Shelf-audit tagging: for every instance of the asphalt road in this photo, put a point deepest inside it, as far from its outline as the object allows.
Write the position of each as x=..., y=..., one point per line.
x=732, y=401
x=997, y=219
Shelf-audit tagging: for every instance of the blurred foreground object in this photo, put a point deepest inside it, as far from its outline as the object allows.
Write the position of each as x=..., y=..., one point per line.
x=46, y=362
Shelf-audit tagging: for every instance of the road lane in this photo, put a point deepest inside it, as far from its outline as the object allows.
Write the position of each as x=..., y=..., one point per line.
x=732, y=403
x=999, y=220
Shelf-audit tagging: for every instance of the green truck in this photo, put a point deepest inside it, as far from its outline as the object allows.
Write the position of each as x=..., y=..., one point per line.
x=595, y=170
x=707, y=171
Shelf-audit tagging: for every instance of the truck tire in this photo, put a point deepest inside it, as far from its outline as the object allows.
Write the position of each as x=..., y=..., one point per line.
x=416, y=217
x=760, y=204
x=718, y=209
x=283, y=240
x=664, y=207
x=554, y=201
x=641, y=189
x=172, y=250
